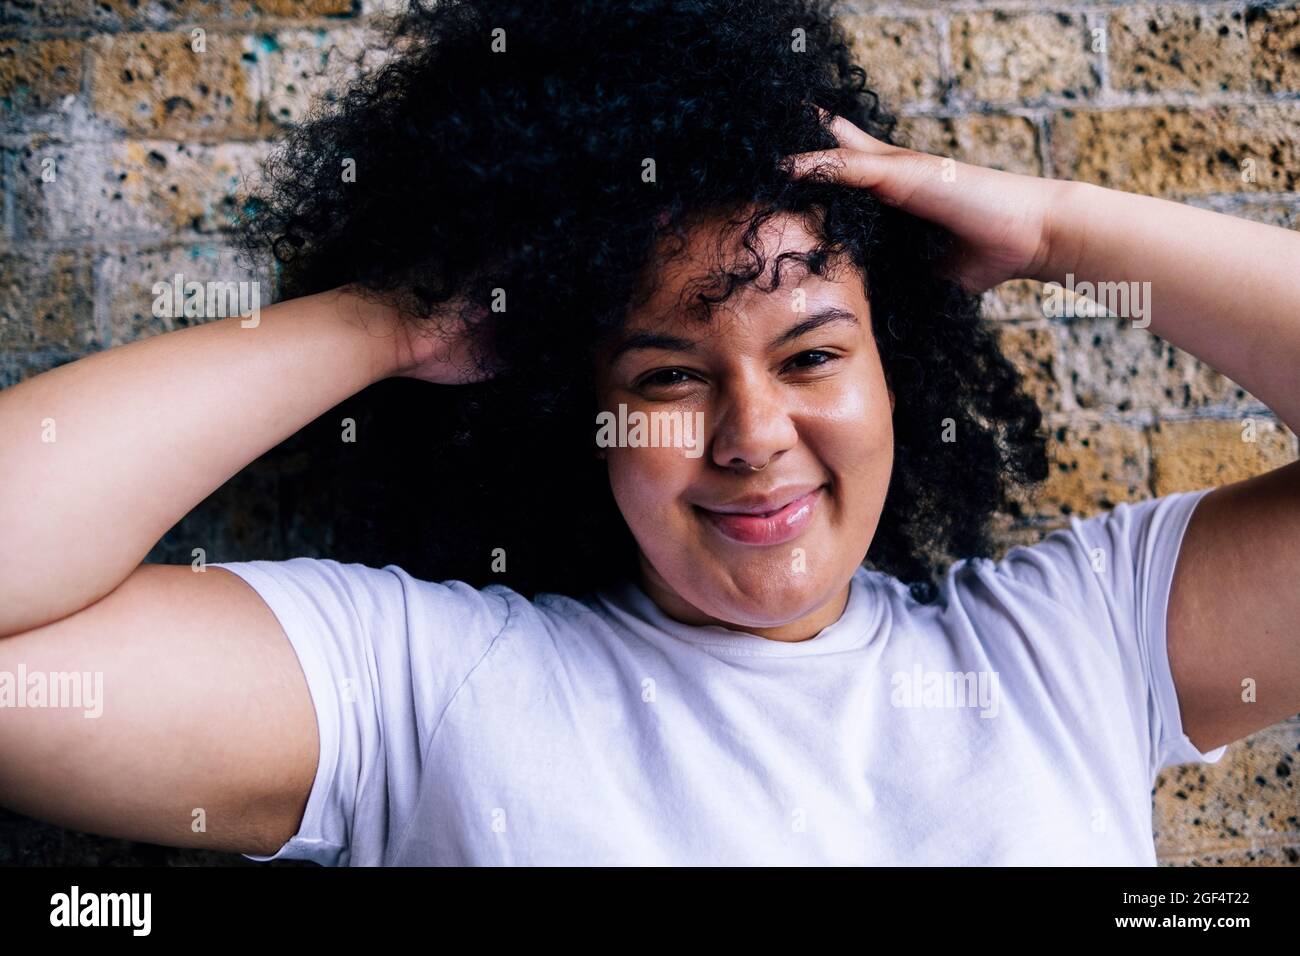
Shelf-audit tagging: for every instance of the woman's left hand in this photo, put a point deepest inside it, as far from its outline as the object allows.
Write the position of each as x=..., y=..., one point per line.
x=1002, y=221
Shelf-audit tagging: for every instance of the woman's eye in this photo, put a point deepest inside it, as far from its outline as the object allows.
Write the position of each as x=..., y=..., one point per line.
x=822, y=358
x=661, y=378
x=668, y=377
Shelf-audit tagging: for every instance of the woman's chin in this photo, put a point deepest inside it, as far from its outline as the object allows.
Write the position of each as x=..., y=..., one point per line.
x=765, y=602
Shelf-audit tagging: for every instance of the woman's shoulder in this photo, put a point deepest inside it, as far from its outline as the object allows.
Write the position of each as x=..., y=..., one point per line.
x=1127, y=538
x=524, y=610
x=1112, y=567
x=376, y=601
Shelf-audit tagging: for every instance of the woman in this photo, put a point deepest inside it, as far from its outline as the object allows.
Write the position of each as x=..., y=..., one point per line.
x=576, y=215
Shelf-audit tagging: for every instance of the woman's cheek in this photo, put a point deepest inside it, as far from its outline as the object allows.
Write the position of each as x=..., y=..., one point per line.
x=650, y=481
x=851, y=412
x=868, y=397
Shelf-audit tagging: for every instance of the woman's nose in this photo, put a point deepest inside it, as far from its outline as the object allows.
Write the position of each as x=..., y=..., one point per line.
x=752, y=427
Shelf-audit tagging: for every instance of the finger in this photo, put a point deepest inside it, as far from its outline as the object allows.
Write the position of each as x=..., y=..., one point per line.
x=849, y=166
x=918, y=182
x=849, y=134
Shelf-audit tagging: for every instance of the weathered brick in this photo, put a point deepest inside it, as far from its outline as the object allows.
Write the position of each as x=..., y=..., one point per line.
x=156, y=84
x=31, y=12
x=36, y=74
x=131, y=14
x=1094, y=466
x=1180, y=152
x=1224, y=853
x=1027, y=57
x=45, y=301
x=127, y=280
x=16, y=367
x=1178, y=48
x=1200, y=454
x=1017, y=299
x=1199, y=803
x=1001, y=142
x=1275, y=39
x=1034, y=350
x=135, y=187
x=1279, y=212
x=159, y=14
x=304, y=64
x=382, y=8
x=1109, y=364
x=900, y=55
x=303, y=8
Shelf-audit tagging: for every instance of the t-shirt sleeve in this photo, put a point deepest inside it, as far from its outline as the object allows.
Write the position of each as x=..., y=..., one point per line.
x=1114, y=571
x=383, y=655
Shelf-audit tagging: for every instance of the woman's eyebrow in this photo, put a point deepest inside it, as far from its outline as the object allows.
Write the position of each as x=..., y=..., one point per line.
x=651, y=340
x=821, y=317
x=673, y=343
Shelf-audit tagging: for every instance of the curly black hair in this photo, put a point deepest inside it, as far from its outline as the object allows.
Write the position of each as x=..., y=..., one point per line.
x=548, y=149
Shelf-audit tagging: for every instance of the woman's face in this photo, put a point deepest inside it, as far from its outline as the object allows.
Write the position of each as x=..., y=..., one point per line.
x=784, y=380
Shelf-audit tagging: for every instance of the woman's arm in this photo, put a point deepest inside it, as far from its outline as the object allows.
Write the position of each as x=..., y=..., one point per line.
x=101, y=456
x=194, y=725
x=1228, y=291
x=1225, y=290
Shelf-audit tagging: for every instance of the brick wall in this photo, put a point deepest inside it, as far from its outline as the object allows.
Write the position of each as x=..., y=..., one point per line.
x=122, y=151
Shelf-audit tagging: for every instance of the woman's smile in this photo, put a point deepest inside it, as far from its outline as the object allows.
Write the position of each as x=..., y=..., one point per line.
x=755, y=524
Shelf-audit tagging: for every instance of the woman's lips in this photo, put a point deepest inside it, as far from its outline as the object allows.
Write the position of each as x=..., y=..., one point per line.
x=776, y=528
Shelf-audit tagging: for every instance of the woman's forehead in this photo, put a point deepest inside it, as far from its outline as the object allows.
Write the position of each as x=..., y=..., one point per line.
x=750, y=319
x=715, y=245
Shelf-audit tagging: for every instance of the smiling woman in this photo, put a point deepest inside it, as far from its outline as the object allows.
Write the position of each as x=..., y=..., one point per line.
x=785, y=641
x=790, y=382
x=548, y=142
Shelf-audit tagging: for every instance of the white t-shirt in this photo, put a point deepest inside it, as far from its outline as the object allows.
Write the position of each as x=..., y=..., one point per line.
x=1020, y=720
